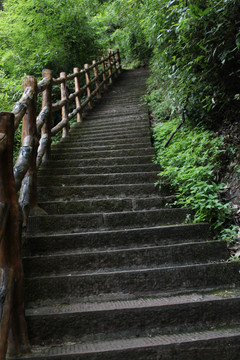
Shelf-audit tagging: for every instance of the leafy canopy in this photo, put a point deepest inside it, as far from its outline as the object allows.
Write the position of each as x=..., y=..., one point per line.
x=37, y=34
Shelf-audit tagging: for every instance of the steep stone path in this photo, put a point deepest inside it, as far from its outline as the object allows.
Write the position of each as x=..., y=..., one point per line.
x=112, y=274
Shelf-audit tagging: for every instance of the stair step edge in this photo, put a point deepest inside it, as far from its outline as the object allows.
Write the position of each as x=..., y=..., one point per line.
x=139, y=303
x=80, y=251
x=102, y=348
x=135, y=270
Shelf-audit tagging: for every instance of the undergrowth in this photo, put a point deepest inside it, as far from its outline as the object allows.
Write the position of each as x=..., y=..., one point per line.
x=189, y=164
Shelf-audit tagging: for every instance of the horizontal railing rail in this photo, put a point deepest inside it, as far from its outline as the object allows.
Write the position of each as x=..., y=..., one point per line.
x=18, y=182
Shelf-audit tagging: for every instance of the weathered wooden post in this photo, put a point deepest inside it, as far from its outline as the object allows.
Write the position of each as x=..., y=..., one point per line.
x=10, y=241
x=44, y=119
x=45, y=142
x=6, y=293
x=65, y=130
x=119, y=62
x=104, y=74
x=88, y=83
x=114, y=65
x=5, y=281
x=110, y=67
x=78, y=96
x=28, y=192
x=28, y=131
x=97, y=83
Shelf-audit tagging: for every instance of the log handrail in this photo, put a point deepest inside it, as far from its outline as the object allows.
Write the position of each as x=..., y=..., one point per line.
x=6, y=292
x=18, y=182
x=10, y=249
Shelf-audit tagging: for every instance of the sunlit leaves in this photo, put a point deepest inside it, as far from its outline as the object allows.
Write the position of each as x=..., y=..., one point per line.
x=43, y=33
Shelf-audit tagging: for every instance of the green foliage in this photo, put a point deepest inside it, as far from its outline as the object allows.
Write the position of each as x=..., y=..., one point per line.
x=197, y=53
x=42, y=34
x=234, y=259
x=189, y=164
x=193, y=47
x=38, y=34
x=230, y=235
x=195, y=67
x=9, y=91
x=121, y=27
x=161, y=100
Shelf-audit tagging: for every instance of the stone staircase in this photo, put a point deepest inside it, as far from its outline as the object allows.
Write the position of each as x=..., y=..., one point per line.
x=112, y=272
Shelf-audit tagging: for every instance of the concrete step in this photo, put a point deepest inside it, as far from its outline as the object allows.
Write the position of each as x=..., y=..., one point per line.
x=79, y=260
x=130, y=281
x=105, y=205
x=119, y=101
x=121, y=111
x=108, y=101
x=122, y=142
x=103, y=153
x=111, y=161
x=73, y=193
x=130, y=103
x=215, y=344
x=108, y=169
x=105, y=221
x=117, y=239
x=111, y=128
x=95, y=120
x=108, y=136
x=118, y=117
x=79, y=147
x=144, y=316
x=98, y=179
x=105, y=132
x=117, y=136
x=119, y=105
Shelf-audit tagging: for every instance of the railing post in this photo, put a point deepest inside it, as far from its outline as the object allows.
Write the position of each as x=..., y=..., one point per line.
x=45, y=142
x=114, y=65
x=88, y=83
x=104, y=73
x=6, y=161
x=95, y=70
x=6, y=174
x=110, y=67
x=65, y=130
x=6, y=292
x=78, y=97
x=10, y=239
x=28, y=193
x=119, y=62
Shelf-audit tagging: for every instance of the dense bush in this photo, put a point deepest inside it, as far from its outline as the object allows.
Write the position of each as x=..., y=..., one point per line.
x=189, y=164
x=196, y=49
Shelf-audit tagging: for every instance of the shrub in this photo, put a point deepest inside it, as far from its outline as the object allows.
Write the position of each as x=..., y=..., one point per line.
x=189, y=164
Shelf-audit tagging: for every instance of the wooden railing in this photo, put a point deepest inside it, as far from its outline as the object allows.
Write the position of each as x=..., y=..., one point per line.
x=37, y=131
